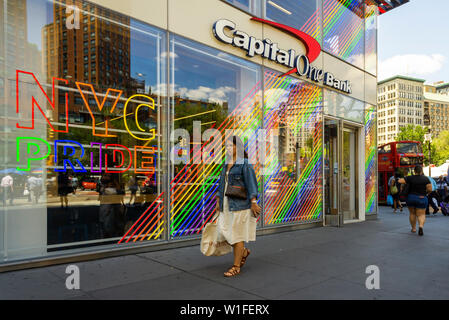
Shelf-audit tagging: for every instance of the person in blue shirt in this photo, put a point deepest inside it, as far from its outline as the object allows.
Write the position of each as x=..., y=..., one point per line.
x=433, y=198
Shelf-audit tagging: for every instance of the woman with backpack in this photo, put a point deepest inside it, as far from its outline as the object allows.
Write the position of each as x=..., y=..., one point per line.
x=418, y=186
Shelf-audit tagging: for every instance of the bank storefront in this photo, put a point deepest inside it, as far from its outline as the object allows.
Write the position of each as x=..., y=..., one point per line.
x=114, y=115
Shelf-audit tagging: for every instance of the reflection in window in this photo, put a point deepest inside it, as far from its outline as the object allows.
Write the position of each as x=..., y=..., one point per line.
x=342, y=106
x=371, y=37
x=293, y=110
x=219, y=91
x=302, y=15
x=343, y=30
x=385, y=149
x=78, y=206
x=251, y=6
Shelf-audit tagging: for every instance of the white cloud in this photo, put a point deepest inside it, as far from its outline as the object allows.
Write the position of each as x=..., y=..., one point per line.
x=411, y=64
x=218, y=95
x=172, y=55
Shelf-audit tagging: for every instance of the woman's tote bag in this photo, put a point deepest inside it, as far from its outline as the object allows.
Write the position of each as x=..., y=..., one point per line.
x=212, y=241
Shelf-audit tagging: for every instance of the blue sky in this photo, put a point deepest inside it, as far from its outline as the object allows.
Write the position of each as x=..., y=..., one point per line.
x=413, y=41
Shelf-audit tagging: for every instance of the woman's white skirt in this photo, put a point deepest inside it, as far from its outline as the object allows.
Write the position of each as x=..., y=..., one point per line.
x=236, y=226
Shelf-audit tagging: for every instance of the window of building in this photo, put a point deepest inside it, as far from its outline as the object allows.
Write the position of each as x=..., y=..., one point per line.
x=340, y=40
x=251, y=6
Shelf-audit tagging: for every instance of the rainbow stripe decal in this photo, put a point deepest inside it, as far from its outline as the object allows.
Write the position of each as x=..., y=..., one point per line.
x=371, y=37
x=288, y=102
x=343, y=29
x=370, y=159
x=313, y=26
x=293, y=189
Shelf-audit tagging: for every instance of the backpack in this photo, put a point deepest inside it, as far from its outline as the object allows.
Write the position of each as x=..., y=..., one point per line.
x=394, y=190
x=445, y=208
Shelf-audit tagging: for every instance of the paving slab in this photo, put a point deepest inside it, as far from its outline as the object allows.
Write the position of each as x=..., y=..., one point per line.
x=181, y=286
x=110, y=272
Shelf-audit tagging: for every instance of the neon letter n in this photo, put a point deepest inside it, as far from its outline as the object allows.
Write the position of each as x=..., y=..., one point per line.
x=34, y=103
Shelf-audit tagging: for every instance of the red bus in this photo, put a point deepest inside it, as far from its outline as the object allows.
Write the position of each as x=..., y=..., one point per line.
x=402, y=155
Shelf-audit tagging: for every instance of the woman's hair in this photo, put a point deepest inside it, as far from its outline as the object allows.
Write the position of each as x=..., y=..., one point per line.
x=234, y=142
x=418, y=170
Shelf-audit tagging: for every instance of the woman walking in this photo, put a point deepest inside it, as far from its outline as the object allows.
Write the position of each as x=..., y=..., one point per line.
x=419, y=186
x=394, y=191
x=237, y=203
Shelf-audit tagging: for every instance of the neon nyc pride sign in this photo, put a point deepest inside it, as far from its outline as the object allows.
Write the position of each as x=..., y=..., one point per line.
x=123, y=158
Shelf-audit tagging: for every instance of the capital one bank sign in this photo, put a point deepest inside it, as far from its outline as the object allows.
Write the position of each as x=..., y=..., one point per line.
x=226, y=31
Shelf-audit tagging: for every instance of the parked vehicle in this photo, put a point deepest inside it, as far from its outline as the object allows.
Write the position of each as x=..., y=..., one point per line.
x=89, y=184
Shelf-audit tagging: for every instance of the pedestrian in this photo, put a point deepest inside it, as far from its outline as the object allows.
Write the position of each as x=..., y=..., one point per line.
x=35, y=188
x=27, y=189
x=64, y=188
x=442, y=188
x=237, y=203
x=133, y=187
x=418, y=188
x=111, y=211
x=394, y=191
x=433, y=198
x=7, y=185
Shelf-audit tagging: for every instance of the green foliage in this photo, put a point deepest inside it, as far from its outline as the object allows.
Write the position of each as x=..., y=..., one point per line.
x=439, y=146
x=411, y=132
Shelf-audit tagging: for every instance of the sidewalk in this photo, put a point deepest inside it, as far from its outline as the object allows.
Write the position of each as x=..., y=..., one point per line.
x=321, y=263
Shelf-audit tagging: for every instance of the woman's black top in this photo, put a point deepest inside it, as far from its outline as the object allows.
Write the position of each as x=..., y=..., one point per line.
x=417, y=184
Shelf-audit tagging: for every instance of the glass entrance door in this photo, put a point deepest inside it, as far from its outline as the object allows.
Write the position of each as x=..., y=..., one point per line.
x=349, y=174
x=340, y=172
x=331, y=168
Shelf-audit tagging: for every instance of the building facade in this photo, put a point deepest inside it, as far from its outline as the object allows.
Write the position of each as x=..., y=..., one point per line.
x=405, y=100
x=436, y=112
x=400, y=103
x=114, y=115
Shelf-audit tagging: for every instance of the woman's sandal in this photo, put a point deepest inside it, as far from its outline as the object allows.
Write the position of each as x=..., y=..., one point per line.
x=242, y=262
x=233, y=271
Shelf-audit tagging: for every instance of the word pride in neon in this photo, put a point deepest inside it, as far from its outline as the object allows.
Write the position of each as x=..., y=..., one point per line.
x=32, y=149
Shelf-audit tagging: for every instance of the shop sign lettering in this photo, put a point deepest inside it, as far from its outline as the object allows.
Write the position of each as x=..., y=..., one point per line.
x=225, y=31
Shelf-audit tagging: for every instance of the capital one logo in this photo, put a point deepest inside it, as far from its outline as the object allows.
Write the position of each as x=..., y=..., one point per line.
x=226, y=31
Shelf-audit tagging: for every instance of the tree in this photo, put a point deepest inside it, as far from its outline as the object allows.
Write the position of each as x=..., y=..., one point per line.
x=441, y=144
x=416, y=133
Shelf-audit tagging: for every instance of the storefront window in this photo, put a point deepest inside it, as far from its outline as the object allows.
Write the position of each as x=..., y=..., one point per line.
x=371, y=160
x=371, y=37
x=302, y=15
x=293, y=167
x=343, y=30
x=342, y=106
x=82, y=146
x=251, y=6
x=215, y=95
